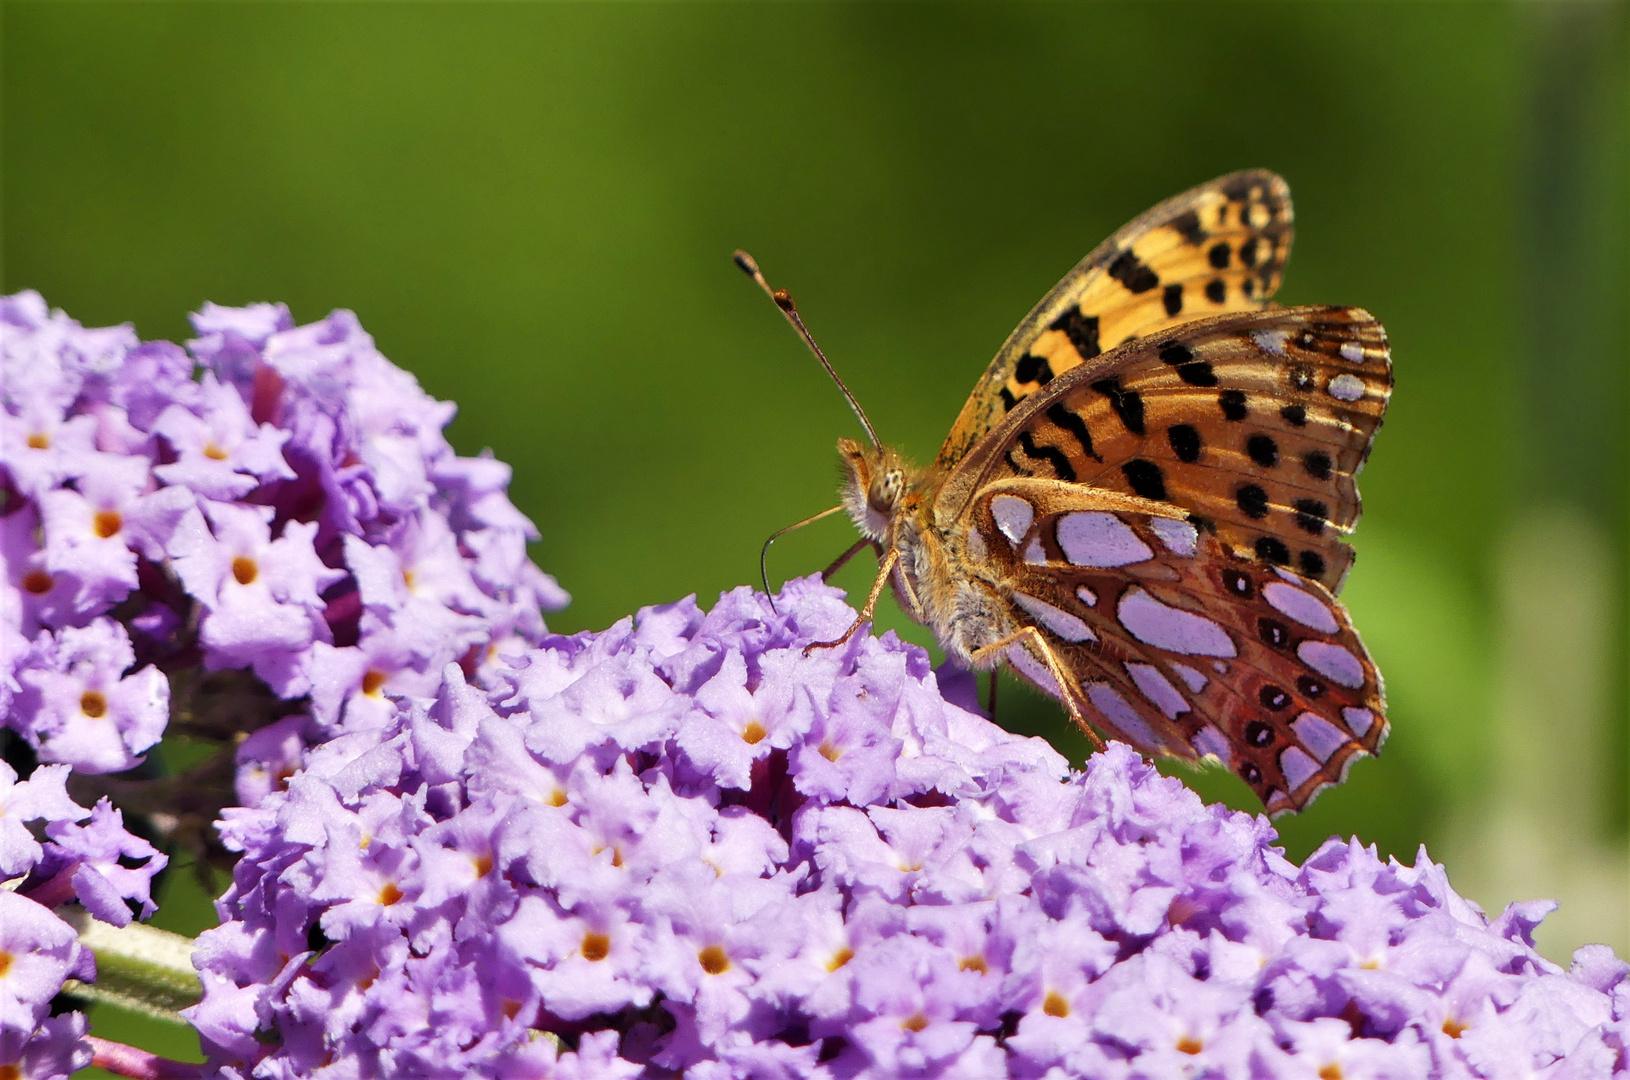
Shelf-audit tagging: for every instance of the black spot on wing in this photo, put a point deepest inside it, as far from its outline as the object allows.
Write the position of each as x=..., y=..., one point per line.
x=1317, y=465
x=1175, y=353
x=1272, y=698
x=1128, y=404
x=1218, y=255
x=1185, y=442
x=1033, y=369
x=1146, y=479
x=1311, y=515
x=1312, y=563
x=1052, y=455
x=1198, y=373
x=1172, y=298
x=1008, y=400
x=1294, y=415
x=1188, y=225
x=1258, y=734
x=1247, y=251
x=1132, y=272
x=1076, y=426
x=1263, y=450
x=1252, y=500
x=1271, y=549
x=1232, y=403
x=1082, y=330
x=1216, y=291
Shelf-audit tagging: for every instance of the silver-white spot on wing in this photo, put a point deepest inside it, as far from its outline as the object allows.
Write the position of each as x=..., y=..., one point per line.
x=1332, y=661
x=1194, y=680
x=1320, y=736
x=1209, y=742
x=1034, y=670
x=1056, y=619
x=1300, y=605
x=1013, y=516
x=1158, y=689
x=1358, y=719
x=1125, y=719
x=1346, y=387
x=1270, y=341
x=1094, y=538
x=1180, y=537
x=1173, y=629
x=1297, y=766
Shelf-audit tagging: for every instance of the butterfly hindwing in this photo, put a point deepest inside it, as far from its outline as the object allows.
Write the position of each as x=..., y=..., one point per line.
x=1254, y=424
x=1218, y=248
x=1175, y=644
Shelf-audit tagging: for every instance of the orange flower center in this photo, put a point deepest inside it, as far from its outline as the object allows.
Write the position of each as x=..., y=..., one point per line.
x=108, y=523
x=245, y=570
x=215, y=453
x=715, y=961
x=93, y=704
x=38, y=582
x=840, y=958
x=39, y=441
x=973, y=963
x=1188, y=1044
x=596, y=946
x=389, y=895
x=1055, y=1005
x=753, y=732
x=915, y=1022
x=372, y=681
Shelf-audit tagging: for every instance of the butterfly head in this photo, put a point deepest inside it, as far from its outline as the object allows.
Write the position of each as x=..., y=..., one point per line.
x=876, y=483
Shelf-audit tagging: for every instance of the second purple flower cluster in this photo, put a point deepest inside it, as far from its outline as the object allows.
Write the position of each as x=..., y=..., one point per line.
x=684, y=846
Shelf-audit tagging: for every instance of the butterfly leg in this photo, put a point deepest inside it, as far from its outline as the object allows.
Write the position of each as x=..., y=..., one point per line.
x=1030, y=635
x=990, y=696
x=865, y=615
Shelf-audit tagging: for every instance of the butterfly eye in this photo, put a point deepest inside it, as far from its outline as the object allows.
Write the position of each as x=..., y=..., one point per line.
x=884, y=494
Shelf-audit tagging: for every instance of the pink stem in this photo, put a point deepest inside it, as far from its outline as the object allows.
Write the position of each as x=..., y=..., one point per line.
x=122, y=1060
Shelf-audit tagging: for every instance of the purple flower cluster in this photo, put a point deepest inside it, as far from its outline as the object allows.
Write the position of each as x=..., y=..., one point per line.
x=683, y=846
x=265, y=534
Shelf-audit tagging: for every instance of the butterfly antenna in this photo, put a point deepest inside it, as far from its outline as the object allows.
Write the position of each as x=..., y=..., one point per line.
x=783, y=300
x=764, y=552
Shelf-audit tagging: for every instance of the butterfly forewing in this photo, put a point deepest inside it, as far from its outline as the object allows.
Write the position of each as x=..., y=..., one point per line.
x=1218, y=248
x=1255, y=424
x=1177, y=645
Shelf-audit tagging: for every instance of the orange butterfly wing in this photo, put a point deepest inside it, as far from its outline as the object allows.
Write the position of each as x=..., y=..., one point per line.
x=1218, y=248
x=1255, y=425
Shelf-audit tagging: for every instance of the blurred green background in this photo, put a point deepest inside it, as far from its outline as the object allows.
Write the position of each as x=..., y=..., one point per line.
x=533, y=208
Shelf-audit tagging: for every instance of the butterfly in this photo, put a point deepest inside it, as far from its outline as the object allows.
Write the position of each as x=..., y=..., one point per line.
x=1140, y=509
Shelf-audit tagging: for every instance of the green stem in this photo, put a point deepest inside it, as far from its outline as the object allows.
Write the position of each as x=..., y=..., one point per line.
x=138, y=968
